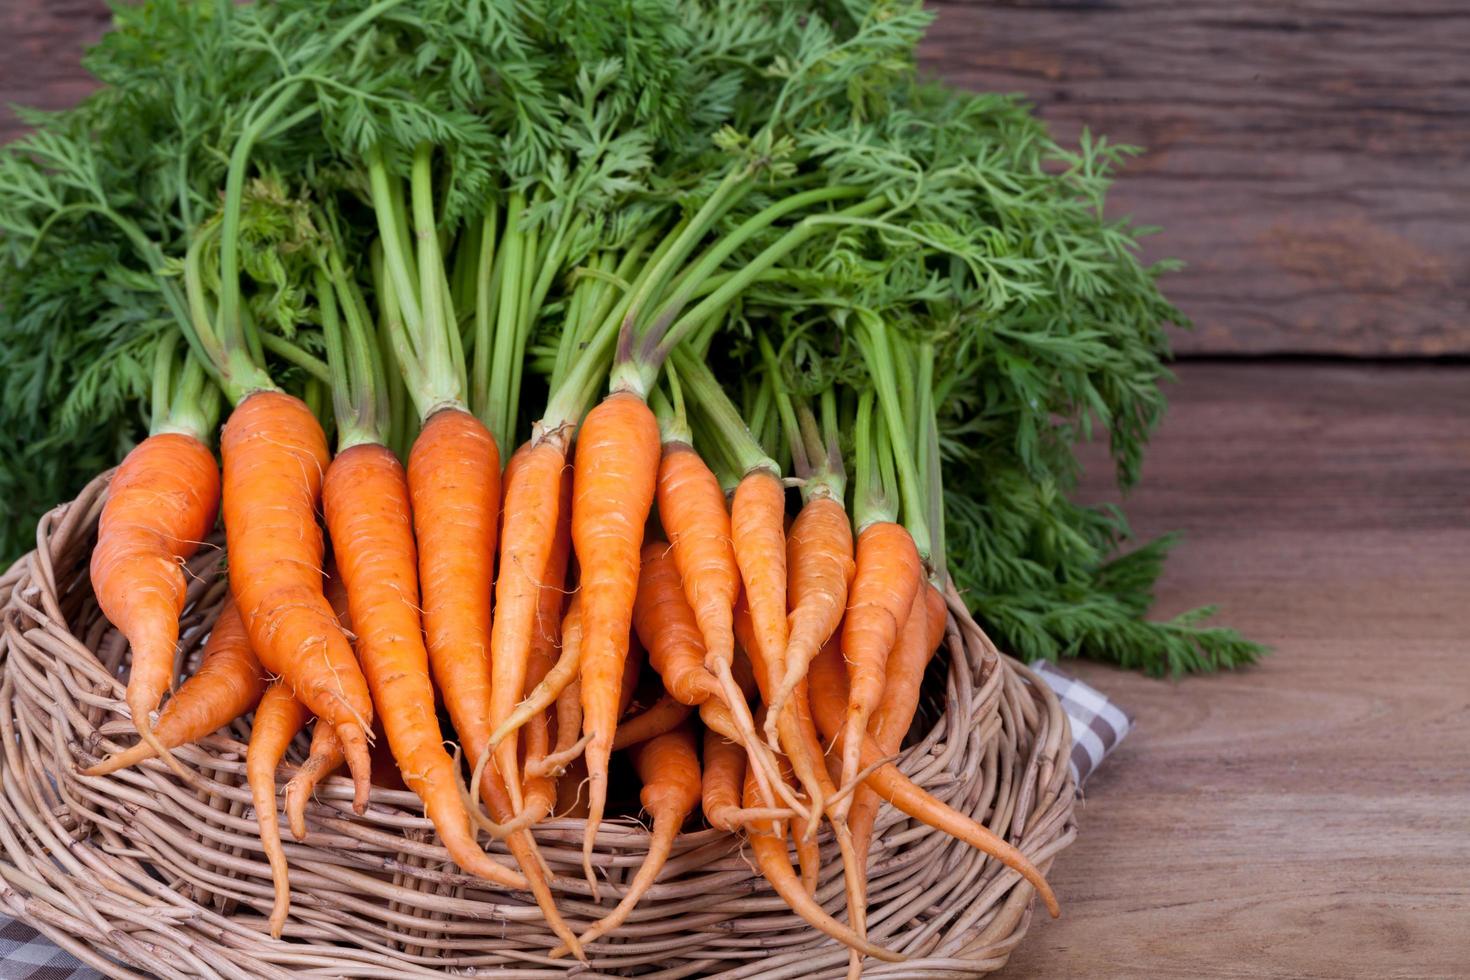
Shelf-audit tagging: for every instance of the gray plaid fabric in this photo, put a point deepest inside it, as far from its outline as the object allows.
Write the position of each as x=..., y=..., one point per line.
x=25, y=954
x=1098, y=725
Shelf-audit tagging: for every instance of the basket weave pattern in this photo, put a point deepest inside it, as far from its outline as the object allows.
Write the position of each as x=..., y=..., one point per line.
x=139, y=871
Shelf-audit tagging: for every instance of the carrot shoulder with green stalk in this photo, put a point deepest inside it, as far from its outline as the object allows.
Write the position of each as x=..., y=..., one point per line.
x=160, y=506
x=453, y=482
x=618, y=447
x=366, y=500
x=275, y=455
x=885, y=581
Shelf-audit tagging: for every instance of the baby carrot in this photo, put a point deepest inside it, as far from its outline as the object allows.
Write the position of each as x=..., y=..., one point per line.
x=160, y=506
x=612, y=495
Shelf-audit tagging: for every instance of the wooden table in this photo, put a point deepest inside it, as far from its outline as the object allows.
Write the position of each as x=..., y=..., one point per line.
x=1309, y=817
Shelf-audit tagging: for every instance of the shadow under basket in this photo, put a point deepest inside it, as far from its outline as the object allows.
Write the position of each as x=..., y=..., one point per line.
x=140, y=873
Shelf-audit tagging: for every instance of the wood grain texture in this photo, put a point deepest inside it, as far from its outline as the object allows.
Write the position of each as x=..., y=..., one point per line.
x=1309, y=817
x=41, y=45
x=1308, y=159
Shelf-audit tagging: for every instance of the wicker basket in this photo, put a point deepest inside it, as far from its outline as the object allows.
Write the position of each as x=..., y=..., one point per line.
x=141, y=871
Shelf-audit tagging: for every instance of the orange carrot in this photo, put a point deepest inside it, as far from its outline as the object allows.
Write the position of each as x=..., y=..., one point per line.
x=798, y=734
x=563, y=686
x=612, y=495
x=454, y=486
x=277, y=720
x=366, y=499
x=724, y=778
x=758, y=537
x=325, y=756
x=801, y=745
x=881, y=599
x=274, y=457
x=527, y=550
x=829, y=704
x=160, y=505
x=668, y=630
x=228, y=683
x=905, y=684
x=820, y=563
x=540, y=791
x=664, y=715
x=891, y=720
x=691, y=507
x=669, y=769
x=769, y=849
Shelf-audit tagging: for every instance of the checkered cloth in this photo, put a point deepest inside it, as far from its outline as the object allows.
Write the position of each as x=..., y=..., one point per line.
x=25, y=954
x=1098, y=725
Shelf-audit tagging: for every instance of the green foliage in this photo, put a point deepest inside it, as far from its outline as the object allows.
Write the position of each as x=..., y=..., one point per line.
x=960, y=224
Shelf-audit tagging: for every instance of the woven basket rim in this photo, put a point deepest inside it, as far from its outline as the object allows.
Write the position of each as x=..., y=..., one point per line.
x=140, y=871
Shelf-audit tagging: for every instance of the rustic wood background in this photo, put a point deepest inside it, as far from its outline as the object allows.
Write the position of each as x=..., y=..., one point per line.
x=1308, y=817
x=1308, y=159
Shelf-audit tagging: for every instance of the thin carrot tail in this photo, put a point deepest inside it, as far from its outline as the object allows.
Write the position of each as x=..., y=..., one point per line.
x=270, y=840
x=359, y=757
x=902, y=792
x=660, y=846
x=808, y=855
x=130, y=756
x=775, y=865
x=326, y=757
x=523, y=848
x=854, y=876
x=857, y=727
x=598, y=753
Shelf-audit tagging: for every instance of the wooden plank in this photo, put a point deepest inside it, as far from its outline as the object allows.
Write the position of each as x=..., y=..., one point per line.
x=1309, y=817
x=42, y=43
x=1308, y=159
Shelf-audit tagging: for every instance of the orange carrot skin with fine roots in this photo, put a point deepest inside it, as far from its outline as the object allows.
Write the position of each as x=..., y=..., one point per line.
x=324, y=758
x=527, y=545
x=797, y=736
x=905, y=685
x=668, y=630
x=880, y=601
x=829, y=699
x=228, y=683
x=274, y=457
x=540, y=791
x=612, y=495
x=277, y=720
x=820, y=563
x=758, y=538
x=669, y=770
x=326, y=755
x=890, y=723
x=454, y=486
x=724, y=778
x=160, y=506
x=769, y=851
x=691, y=507
x=366, y=499
x=665, y=715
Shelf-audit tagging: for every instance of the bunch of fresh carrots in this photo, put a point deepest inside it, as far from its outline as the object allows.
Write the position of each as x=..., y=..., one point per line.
x=524, y=587
x=585, y=396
